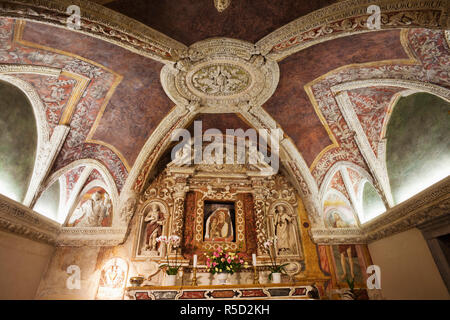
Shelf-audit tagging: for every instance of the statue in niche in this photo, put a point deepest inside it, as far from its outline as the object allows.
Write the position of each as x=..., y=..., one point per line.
x=154, y=228
x=219, y=226
x=93, y=212
x=284, y=230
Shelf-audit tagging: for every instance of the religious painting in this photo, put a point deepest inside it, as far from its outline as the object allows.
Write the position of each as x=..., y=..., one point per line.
x=348, y=263
x=337, y=212
x=112, y=279
x=219, y=221
x=94, y=209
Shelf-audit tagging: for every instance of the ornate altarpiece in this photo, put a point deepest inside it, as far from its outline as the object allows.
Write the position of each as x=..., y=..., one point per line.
x=258, y=202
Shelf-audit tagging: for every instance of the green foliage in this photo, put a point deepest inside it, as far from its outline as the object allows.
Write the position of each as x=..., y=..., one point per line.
x=277, y=269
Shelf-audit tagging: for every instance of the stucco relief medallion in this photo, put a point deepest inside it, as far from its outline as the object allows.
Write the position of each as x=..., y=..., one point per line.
x=220, y=80
x=221, y=75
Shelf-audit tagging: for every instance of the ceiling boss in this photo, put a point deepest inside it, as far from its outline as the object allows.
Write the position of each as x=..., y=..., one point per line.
x=222, y=5
x=222, y=75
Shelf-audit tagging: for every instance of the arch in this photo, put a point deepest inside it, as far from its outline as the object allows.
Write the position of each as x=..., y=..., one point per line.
x=376, y=206
x=335, y=168
x=43, y=131
x=19, y=141
x=49, y=203
x=417, y=146
x=90, y=164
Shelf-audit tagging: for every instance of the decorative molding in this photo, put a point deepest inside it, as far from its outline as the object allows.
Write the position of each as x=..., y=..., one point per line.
x=349, y=17
x=415, y=86
x=79, y=237
x=99, y=22
x=29, y=69
x=424, y=206
x=18, y=219
x=430, y=204
x=223, y=75
x=44, y=162
x=377, y=169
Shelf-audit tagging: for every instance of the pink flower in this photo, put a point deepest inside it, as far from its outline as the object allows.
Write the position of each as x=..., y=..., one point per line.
x=229, y=260
x=214, y=264
x=241, y=261
x=216, y=254
x=226, y=255
x=208, y=264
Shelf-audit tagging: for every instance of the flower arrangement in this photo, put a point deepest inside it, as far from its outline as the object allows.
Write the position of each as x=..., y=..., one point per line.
x=270, y=249
x=222, y=261
x=173, y=242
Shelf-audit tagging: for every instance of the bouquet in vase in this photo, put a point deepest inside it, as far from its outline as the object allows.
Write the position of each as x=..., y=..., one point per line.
x=222, y=261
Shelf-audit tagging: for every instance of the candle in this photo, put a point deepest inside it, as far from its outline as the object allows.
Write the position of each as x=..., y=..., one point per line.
x=254, y=259
x=195, y=261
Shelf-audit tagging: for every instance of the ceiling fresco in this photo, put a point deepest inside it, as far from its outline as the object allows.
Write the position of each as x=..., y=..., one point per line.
x=189, y=21
x=333, y=93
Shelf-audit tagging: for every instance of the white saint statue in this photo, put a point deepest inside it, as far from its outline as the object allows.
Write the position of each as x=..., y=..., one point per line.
x=284, y=230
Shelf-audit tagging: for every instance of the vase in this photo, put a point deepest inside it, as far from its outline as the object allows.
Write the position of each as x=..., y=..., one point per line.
x=171, y=279
x=276, y=277
x=222, y=278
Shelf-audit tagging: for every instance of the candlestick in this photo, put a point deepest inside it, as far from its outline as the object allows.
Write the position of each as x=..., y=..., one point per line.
x=195, y=261
x=194, y=277
x=255, y=275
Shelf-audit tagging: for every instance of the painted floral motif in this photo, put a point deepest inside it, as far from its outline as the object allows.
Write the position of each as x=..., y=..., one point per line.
x=95, y=175
x=54, y=93
x=71, y=178
x=355, y=178
x=337, y=183
x=371, y=106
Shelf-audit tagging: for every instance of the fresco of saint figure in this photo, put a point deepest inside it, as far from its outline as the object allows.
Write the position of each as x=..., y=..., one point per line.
x=219, y=226
x=94, y=210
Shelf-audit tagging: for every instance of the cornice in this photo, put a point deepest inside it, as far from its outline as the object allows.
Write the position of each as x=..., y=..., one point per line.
x=428, y=205
x=21, y=220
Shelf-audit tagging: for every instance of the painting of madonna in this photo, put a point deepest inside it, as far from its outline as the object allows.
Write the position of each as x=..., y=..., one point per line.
x=219, y=222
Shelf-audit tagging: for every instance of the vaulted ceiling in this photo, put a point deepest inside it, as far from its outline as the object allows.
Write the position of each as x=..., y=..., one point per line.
x=338, y=80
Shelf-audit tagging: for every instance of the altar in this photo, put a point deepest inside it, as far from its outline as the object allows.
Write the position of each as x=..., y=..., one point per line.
x=224, y=292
